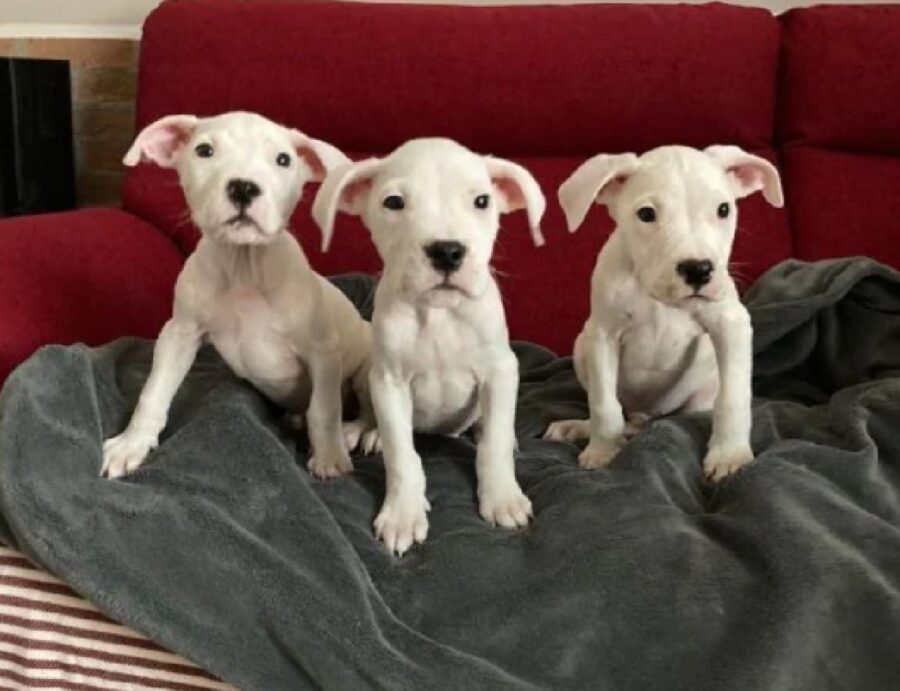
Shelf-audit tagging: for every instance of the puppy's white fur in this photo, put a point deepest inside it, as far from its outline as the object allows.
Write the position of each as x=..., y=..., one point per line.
x=248, y=287
x=441, y=359
x=654, y=344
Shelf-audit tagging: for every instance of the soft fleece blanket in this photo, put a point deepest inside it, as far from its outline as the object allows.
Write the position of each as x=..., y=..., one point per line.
x=639, y=576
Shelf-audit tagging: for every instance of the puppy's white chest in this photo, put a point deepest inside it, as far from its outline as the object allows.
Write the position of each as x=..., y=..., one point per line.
x=657, y=335
x=662, y=348
x=253, y=339
x=443, y=383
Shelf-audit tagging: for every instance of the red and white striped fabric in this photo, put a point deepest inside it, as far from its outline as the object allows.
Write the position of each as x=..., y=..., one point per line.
x=50, y=638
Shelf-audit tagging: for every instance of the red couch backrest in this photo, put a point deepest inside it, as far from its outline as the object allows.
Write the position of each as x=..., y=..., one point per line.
x=840, y=125
x=547, y=86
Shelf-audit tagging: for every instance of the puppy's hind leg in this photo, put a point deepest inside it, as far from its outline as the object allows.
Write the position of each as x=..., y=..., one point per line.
x=295, y=421
x=577, y=430
x=574, y=430
x=362, y=433
x=568, y=430
x=634, y=423
x=329, y=457
x=703, y=399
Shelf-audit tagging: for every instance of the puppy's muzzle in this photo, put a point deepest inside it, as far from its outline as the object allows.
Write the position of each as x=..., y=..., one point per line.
x=446, y=256
x=695, y=272
x=241, y=193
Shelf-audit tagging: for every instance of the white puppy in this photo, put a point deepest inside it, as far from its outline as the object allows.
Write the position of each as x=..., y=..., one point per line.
x=248, y=287
x=667, y=331
x=441, y=359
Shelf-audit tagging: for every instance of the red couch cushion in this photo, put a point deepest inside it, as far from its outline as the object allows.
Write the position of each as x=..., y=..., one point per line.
x=844, y=204
x=546, y=85
x=841, y=78
x=506, y=80
x=85, y=276
x=840, y=121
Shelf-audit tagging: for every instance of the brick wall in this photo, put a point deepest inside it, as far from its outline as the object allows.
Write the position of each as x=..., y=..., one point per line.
x=103, y=87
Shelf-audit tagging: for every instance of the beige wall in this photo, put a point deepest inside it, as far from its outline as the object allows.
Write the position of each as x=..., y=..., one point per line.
x=773, y=5
x=73, y=18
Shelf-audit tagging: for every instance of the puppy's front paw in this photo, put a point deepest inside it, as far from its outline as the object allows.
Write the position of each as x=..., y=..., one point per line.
x=402, y=521
x=370, y=443
x=599, y=455
x=353, y=431
x=296, y=421
x=568, y=430
x=720, y=462
x=635, y=424
x=125, y=453
x=507, y=507
x=331, y=464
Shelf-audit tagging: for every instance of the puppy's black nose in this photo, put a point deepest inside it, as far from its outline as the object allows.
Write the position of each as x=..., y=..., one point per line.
x=695, y=272
x=446, y=255
x=242, y=192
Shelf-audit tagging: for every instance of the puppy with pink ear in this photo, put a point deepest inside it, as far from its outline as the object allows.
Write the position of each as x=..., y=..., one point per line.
x=248, y=288
x=441, y=360
x=667, y=331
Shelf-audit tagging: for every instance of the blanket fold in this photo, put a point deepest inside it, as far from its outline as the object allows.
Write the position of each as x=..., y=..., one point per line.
x=640, y=576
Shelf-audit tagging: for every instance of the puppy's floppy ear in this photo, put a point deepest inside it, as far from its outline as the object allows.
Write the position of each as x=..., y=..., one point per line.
x=595, y=180
x=161, y=141
x=517, y=189
x=749, y=173
x=345, y=188
x=320, y=157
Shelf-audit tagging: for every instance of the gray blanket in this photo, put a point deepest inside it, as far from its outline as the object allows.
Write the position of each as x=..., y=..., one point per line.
x=640, y=576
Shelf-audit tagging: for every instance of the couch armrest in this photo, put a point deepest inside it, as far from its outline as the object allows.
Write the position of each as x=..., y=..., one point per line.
x=83, y=276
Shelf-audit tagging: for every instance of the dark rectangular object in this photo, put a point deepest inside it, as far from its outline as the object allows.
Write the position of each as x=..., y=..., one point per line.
x=37, y=164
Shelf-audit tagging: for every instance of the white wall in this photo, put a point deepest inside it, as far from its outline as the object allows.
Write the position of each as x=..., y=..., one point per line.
x=122, y=18
x=73, y=18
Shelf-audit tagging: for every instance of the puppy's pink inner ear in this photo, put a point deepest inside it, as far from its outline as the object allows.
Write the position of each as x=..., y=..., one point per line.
x=512, y=194
x=312, y=160
x=614, y=185
x=749, y=178
x=355, y=191
x=162, y=144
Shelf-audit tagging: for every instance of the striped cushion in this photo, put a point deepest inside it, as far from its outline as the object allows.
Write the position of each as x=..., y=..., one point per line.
x=52, y=638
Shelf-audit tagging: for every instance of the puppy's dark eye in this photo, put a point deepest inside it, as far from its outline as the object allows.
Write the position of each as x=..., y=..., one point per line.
x=482, y=201
x=283, y=160
x=204, y=150
x=723, y=210
x=647, y=214
x=394, y=202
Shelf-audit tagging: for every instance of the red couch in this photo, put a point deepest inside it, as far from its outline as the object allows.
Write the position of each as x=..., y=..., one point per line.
x=816, y=90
